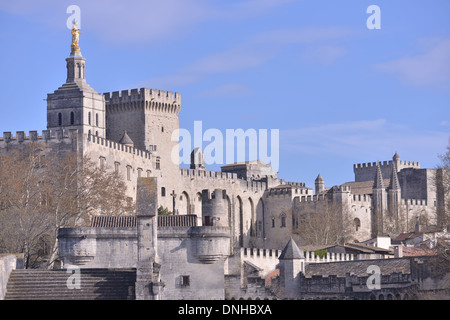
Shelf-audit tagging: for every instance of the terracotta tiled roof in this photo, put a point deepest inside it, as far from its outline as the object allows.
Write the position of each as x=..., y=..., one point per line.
x=406, y=236
x=268, y=277
x=417, y=252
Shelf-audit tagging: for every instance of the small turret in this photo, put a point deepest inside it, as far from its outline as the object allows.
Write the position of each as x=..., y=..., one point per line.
x=197, y=159
x=292, y=263
x=126, y=140
x=215, y=208
x=320, y=184
x=396, y=157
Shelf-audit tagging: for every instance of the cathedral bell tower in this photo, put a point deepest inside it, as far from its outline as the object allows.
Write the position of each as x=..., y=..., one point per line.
x=76, y=105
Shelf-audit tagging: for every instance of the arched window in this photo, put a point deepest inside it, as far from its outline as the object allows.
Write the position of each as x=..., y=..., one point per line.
x=60, y=119
x=72, y=118
x=163, y=192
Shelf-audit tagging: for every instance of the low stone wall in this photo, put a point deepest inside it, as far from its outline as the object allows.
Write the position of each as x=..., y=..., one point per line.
x=8, y=262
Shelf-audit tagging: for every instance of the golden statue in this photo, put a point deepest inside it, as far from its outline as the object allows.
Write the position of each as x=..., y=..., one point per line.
x=75, y=37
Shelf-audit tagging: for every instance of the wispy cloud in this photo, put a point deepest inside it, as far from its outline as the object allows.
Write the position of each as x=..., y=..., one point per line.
x=137, y=21
x=323, y=54
x=370, y=138
x=317, y=46
x=227, y=90
x=429, y=68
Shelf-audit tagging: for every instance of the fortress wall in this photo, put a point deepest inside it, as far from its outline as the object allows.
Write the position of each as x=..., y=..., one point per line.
x=179, y=248
x=130, y=162
x=415, y=183
x=266, y=259
x=278, y=220
x=56, y=140
x=98, y=247
x=367, y=171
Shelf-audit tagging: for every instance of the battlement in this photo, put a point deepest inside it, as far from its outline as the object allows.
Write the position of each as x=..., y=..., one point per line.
x=414, y=202
x=362, y=198
x=217, y=194
x=151, y=99
x=254, y=186
x=260, y=253
x=341, y=188
x=287, y=190
x=194, y=173
x=34, y=136
x=367, y=171
x=294, y=184
x=384, y=164
x=310, y=198
x=311, y=257
x=117, y=146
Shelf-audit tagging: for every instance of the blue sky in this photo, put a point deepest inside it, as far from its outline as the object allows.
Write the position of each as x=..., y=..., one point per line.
x=338, y=92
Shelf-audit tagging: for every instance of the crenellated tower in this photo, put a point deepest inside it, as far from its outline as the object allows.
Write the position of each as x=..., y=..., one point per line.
x=150, y=119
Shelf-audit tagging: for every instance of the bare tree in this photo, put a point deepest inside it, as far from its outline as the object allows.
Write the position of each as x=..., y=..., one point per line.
x=324, y=223
x=41, y=192
x=442, y=184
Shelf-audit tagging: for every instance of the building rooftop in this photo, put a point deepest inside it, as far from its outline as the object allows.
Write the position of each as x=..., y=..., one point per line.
x=358, y=267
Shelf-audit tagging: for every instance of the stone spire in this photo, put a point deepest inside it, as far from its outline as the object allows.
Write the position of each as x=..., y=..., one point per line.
x=379, y=203
x=378, y=184
x=394, y=184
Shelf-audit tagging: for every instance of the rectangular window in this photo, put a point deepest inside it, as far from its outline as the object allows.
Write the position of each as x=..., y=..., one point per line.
x=185, y=281
x=283, y=222
x=129, y=173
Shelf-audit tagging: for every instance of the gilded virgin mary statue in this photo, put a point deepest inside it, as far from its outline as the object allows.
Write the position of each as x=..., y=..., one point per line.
x=75, y=37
